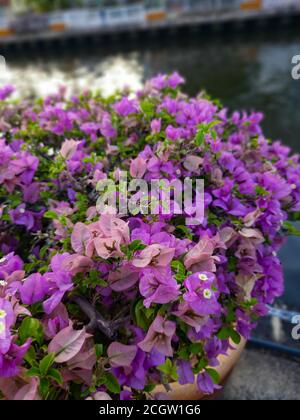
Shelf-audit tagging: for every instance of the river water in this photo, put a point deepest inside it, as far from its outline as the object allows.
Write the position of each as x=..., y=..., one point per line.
x=245, y=70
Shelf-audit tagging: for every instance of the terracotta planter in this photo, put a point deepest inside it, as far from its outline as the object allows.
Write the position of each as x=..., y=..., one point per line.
x=191, y=392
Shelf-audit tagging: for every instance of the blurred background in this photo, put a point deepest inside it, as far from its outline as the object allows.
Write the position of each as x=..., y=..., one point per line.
x=239, y=51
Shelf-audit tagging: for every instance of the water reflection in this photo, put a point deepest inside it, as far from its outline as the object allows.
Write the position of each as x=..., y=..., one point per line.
x=41, y=77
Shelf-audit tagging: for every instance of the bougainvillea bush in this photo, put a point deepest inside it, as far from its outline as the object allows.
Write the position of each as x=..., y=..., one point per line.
x=96, y=306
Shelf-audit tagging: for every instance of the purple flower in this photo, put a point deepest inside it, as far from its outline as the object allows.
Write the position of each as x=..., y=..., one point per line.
x=206, y=384
x=201, y=295
x=6, y=321
x=126, y=107
x=9, y=264
x=159, y=336
x=156, y=126
x=22, y=217
x=173, y=133
x=58, y=284
x=185, y=372
x=158, y=286
x=159, y=82
x=133, y=376
x=6, y=91
x=10, y=362
x=175, y=80
x=106, y=128
x=34, y=289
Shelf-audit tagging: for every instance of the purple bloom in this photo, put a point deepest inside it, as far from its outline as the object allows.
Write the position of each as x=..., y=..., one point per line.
x=34, y=289
x=200, y=295
x=22, y=217
x=6, y=91
x=173, y=133
x=9, y=264
x=159, y=82
x=126, y=107
x=156, y=126
x=206, y=384
x=185, y=372
x=175, y=80
x=106, y=128
x=158, y=286
x=133, y=376
x=10, y=362
x=6, y=321
x=58, y=284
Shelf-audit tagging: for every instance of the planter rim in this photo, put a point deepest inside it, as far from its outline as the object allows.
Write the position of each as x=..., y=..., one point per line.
x=190, y=392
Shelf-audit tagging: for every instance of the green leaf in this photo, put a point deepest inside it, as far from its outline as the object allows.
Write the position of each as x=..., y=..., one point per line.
x=148, y=107
x=112, y=384
x=46, y=363
x=235, y=337
x=137, y=246
x=186, y=231
x=184, y=353
x=55, y=375
x=291, y=228
x=50, y=215
x=261, y=191
x=44, y=388
x=179, y=270
x=34, y=371
x=214, y=375
x=169, y=369
x=30, y=356
x=99, y=350
x=31, y=328
x=224, y=333
x=200, y=365
x=149, y=388
x=196, y=348
x=143, y=315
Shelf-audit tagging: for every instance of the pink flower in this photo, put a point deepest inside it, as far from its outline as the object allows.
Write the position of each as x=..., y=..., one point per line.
x=124, y=278
x=67, y=343
x=156, y=255
x=200, y=258
x=108, y=248
x=138, y=168
x=121, y=355
x=105, y=236
x=156, y=126
x=159, y=336
x=69, y=148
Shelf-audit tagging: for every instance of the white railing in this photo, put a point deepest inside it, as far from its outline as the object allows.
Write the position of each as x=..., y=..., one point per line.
x=281, y=4
x=123, y=15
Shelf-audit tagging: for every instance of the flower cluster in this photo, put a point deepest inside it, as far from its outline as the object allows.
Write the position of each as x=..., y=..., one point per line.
x=99, y=306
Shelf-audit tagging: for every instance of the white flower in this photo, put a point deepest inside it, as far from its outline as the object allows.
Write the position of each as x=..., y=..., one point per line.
x=3, y=283
x=2, y=313
x=207, y=294
x=203, y=277
x=2, y=327
x=3, y=260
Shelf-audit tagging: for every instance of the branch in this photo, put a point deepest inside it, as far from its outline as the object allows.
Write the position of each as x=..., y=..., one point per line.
x=97, y=322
